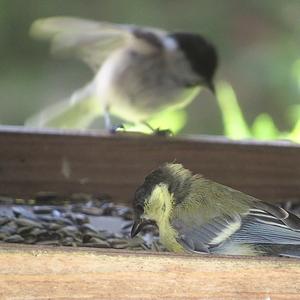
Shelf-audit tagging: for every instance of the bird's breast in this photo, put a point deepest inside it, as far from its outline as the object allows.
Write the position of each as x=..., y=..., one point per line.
x=168, y=237
x=137, y=86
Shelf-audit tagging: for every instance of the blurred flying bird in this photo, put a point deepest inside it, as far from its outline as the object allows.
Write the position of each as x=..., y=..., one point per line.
x=138, y=71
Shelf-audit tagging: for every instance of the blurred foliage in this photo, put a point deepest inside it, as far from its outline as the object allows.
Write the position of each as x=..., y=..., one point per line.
x=263, y=127
x=258, y=43
x=235, y=126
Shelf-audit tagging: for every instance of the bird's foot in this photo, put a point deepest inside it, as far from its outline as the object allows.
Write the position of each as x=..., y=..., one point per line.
x=159, y=132
x=162, y=132
x=114, y=129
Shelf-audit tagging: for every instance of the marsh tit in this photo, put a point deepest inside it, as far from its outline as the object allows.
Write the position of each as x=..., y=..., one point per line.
x=138, y=71
x=197, y=215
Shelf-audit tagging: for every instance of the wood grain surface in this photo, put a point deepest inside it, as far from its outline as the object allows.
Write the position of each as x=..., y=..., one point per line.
x=68, y=162
x=32, y=272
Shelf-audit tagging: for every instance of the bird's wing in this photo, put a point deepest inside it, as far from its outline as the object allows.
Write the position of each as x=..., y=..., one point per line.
x=257, y=226
x=90, y=41
x=286, y=217
x=78, y=111
x=200, y=237
x=261, y=227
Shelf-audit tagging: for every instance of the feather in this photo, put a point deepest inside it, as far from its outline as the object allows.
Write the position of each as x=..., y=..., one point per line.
x=210, y=234
x=208, y=217
x=78, y=111
x=90, y=41
x=215, y=216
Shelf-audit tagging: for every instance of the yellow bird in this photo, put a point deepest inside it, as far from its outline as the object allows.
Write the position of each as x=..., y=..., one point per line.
x=194, y=214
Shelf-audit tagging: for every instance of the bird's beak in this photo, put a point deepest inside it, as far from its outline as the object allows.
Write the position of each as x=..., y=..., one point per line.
x=138, y=225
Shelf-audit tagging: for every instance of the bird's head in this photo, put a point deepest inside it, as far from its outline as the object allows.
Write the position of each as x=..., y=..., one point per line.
x=161, y=191
x=201, y=54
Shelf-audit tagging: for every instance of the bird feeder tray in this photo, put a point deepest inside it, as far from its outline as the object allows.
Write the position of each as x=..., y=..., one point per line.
x=67, y=162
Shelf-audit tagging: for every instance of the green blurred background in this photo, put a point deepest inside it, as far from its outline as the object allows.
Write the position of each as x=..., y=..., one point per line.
x=258, y=43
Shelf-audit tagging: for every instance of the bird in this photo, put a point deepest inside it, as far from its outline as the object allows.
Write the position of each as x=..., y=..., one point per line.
x=138, y=71
x=197, y=215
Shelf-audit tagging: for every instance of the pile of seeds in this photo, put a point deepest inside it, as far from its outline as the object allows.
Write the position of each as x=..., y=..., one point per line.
x=82, y=220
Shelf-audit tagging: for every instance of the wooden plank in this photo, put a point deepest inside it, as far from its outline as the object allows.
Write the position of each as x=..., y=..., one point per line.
x=67, y=162
x=31, y=272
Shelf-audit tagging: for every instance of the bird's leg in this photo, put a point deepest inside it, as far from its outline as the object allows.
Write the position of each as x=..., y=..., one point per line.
x=107, y=122
x=159, y=132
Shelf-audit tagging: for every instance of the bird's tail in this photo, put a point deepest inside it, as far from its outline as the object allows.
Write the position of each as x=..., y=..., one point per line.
x=280, y=250
x=77, y=112
x=290, y=251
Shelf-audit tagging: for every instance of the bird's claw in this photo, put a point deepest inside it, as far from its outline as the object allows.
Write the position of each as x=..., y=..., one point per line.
x=159, y=132
x=162, y=132
x=114, y=129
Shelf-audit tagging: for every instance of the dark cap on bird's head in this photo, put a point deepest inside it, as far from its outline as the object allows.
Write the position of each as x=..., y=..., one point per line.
x=200, y=53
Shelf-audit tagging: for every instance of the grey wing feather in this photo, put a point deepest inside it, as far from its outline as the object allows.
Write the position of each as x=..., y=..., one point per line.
x=90, y=41
x=281, y=214
x=201, y=238
x=259, y=226
x=254, y=227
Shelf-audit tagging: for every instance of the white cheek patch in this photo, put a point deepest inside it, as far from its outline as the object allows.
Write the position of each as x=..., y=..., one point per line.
x=170, y=43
